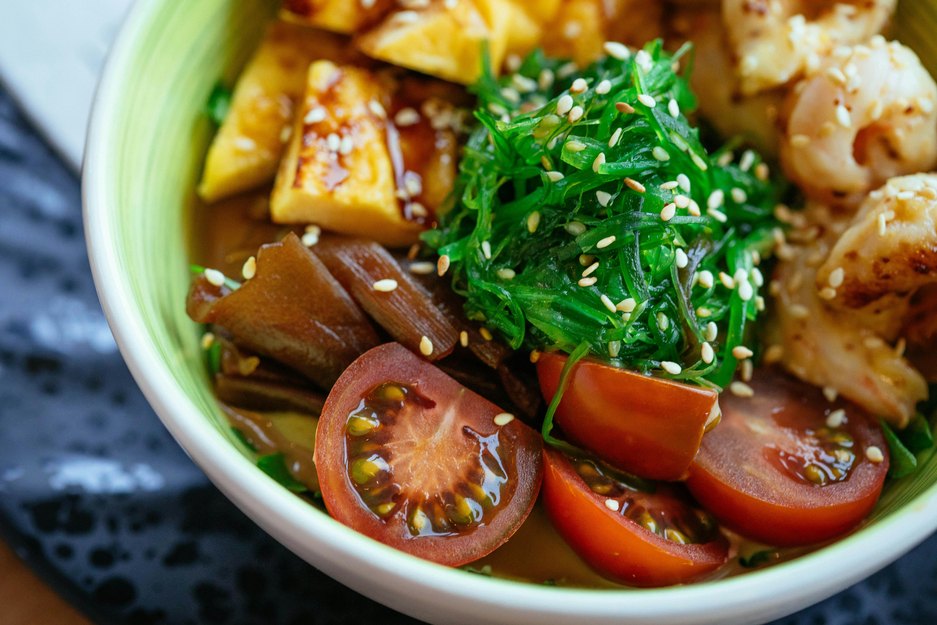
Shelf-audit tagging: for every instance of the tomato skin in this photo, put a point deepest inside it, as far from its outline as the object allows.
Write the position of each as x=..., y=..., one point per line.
x=732, y=478
x=519, y=445
x=647, y=426
x=616, y=546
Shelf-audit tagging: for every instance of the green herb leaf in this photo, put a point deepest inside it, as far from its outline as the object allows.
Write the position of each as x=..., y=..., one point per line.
x=902, y=462
x=274, y=465
x=213, y=357
x=918, y=436
x=219, y=104
x=759, y=558
x=244, y=440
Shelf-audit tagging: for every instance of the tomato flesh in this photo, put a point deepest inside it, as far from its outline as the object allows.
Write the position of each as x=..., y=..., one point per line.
x=775, y=471
x=647, y=426
x=638, y=538
x=410, y=457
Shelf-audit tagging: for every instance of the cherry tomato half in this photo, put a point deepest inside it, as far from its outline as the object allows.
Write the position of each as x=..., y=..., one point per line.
x=410, y=457
x=638, y=538
x=647, y=426
x=786, y=466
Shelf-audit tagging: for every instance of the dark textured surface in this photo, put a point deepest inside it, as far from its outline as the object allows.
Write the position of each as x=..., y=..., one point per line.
x=106, y=507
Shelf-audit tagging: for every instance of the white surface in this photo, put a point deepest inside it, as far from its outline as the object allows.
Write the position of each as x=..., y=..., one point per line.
x=51, y=54
x=422, y=589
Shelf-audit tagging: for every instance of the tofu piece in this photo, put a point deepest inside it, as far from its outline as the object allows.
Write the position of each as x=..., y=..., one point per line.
x=443, y=40
x=338, y=171
x=341, y=16
x=250, y=143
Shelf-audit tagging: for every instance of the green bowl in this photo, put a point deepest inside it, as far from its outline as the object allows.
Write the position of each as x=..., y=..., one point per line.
x=146, y=143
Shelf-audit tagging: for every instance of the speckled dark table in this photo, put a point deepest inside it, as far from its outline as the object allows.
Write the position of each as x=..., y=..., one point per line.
x=110, y=511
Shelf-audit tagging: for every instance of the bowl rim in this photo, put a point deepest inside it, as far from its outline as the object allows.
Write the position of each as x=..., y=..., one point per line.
x=407, y=583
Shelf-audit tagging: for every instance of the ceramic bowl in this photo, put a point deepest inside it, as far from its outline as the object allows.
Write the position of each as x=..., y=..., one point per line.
x=147, y=139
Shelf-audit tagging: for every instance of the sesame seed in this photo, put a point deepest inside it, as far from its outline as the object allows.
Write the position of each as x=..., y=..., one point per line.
x=712, y=331
x=634, y=185
x=616, y=137
x=739, y=196
x=836, y=418
x=422, y=268
x=310, y=238
x=673, y=108
x=740, y=389
x=576, y=114
x=506, y=273
x=837, y=276
x=575, y=146
x=746, y=291
x=670, y=185
x=245, y=144
x=762, y=171
x=523, y=83
x=798, y=311
x=486, y=250
x=567, y=70
x=644, y=61
x=874, y=454
x=554, y=176
x=614, y=348
x=545, y=79
x=249, y=270
x=208, y=339
x=747, y=160
x=346, y=146
x=579, y=85
x=503, y=419
x=316, y=115
x=603, y=87
x=598, y=162
x=827, y=294
x=718, y=215
x=564, y=105
x=617, y=50
x=407, y=117
x=603, y=243
x=587, y=282
x=741, y=352
x=385, y=286
x=698, y=161
x=663, y=321
x=684, y=181
x=681, y=201
x=706, y=279
x=626, y=305
x=647, y=100
x=575, y=228
x=214, y=277
x=830, y=393
x=609, y=305
x=442, y=265
x=726, y=280
x=800, y=141
x=671, y=367
x=463, y=338
x=668, y=212
x=426, y=346
x=660, y=154
x=694, y=208
x=611, y=504
x=377, y=109
x=534, y=355
x=624, y=107
x=843, y=117
x=707, y=353
x=533, y=222
x=681, y=258
x=486, y=333
x=333, y=142
x=588, y=271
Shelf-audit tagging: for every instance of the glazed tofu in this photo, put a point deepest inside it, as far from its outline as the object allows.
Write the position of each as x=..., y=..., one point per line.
x=251, y=141
x=444, y=38
x=341, y=16
x=338, y=171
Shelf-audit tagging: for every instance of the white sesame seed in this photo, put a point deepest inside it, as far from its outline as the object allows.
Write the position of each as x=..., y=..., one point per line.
x=718, y=215
x=442, y=265
x=598, y=162
x=706, y=279
x=827, y=293
x=564, y=105
x=716, y=199
x=309, y=239
x=575, y=228
x=663, y=321
x=603, y=87
x=740, y=389
x=837, y=276
x=843, y=117
x=626, y=305
x=575, y=114
x=746, y=291
x=422, y=268
x=698, y=161
x=506, y=273
x=385, y=285
x=830, y=393
x=681, y=259
x=800, y=141
x=670, y=185
x=617, y=50
x=707, y=353
x=647, y=100
x=874, y=454
x=587, y=282
x=741, y=352
x=316, y=115
x=673, y=108
x=747, y=160
x=486, y=333
x=245, y=144
x=346, y=146
x=712, y=331
x=575, y=146
x=407, y=117
x=634, y=185
x=588, y=271
x=486, y=249
x=684, y=181
x=671, y=367
x=644, y=60
x=208, y=339
x=579, y=85
x=836, y=418
x=681, y=201
x=739, y=196
x=726, y=280
x=333, y=142
x=463, y=338
x=503, y=419
x=214, y=277
x=249, y=270
x=762, y=171
x=533, y=222
x=426, y=346
x=615, y=138
x=603, y=243
x=523, y=83
x=660, y=154
x=611, y=504
x=614, y=348
x=546, y=78
x=624, y=108
x=554, y=176
x=609, y=305
x=668, y=212
x=377, y=109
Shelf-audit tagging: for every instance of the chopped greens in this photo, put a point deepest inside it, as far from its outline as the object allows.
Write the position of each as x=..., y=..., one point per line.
x=219, y=104
x=905, y=446
x=759, y=558
x=274, y=465
x=587, y=210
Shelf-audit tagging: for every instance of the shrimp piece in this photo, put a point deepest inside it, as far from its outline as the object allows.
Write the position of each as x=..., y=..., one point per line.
x=838, y=349
x=776, y=41
x=869, y=114
x=720, y=101
x=889, y=248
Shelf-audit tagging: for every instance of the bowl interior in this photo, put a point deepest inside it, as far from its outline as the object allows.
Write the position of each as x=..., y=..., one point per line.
x=146, y=147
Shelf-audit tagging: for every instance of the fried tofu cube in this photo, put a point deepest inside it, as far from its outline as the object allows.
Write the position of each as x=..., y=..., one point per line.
x=250, y=143
x=443, y=39
x=338, y=171
x=341, y=16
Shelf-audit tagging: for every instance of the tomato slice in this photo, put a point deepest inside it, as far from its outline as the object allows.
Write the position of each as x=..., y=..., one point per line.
x=775, y=471
x=410, y=457
x=638, y=538
x=647, y=426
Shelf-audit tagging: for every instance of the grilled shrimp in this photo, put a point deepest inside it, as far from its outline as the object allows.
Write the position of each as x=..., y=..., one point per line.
x=776, y=41
x=889, y=248
x=849, y=351
x=869, y=114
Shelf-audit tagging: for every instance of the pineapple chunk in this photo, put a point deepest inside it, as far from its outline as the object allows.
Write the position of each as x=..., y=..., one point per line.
x=444, y=39
x=528, y=19
x=583, y=26
x=248, y=146
x=338, y=171
x=341, y=16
